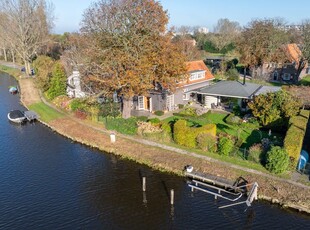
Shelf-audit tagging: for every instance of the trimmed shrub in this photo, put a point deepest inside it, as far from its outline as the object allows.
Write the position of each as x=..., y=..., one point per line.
x=186, y=136
x=181, y=106
x=277, y=160
x=206, y=142
x=180, y=129
x=225, y=146
x=295, y=135
x=256, y=152
x=159, y=113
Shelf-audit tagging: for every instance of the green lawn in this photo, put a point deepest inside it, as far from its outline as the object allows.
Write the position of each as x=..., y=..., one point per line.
x=9, y=70
x=305, y=81
x=46, y=113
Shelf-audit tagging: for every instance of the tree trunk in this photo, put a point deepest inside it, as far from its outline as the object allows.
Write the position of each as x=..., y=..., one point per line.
x=13, y=56
x=5, y=56
x=126, y=108
x=27, y=67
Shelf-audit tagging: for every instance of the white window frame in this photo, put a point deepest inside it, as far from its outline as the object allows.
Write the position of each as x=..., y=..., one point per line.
x=170, y=102
x=140, y=102
x=186, y=96
x=197, y=75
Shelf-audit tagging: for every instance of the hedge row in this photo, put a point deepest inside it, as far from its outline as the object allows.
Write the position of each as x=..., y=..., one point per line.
x=295, y=135
x=187, y=136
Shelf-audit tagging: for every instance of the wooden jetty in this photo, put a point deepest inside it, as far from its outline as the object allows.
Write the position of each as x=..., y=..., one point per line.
x=31, y=115
x=221, y=188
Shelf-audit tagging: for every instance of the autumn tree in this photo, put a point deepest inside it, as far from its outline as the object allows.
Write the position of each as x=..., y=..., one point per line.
x=303, y=50
x=43, y=66
x=261, y=42
x=129, y=48
x=25, y=25
x=274, y=109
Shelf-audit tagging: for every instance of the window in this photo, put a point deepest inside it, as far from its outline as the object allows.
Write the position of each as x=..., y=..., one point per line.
x=140, y=102
x=286, y=77
x=197, y=75
x=186, y=96
x=170, y=102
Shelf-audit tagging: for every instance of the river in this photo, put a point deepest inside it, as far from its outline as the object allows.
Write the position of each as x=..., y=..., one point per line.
x=49, y=182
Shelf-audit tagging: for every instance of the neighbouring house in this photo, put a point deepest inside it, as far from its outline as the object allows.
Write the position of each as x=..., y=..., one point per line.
x=211, y=96
x=288, y=70
x=162, y=99
x=74, y=86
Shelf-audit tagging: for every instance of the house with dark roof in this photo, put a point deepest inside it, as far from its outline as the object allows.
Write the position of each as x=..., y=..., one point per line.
x=162, y=99
x=212, y=95
x=288, y=70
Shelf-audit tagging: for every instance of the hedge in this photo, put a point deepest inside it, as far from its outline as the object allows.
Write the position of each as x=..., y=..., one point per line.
x=186, y=136
x=295, y=135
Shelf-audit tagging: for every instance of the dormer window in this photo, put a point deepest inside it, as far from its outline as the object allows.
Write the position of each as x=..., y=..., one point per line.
x=196, y=75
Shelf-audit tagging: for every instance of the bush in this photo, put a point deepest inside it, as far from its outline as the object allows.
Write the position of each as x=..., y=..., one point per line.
x=58, y=83
x=256, y=152
x=181, y=106
x=147, y=127
x=159, y=113
x=166, y=127
x=77, y=104
x=142, y=118
x=277, y=160
x=121, y=125
x=186, y=136
x=232, y=75
x=154, y=120
x=206, y=142
x=62, y=102
x=189, y=111
x=232, y=119
x=295, y=135
x=80, y=114
x=225, y=146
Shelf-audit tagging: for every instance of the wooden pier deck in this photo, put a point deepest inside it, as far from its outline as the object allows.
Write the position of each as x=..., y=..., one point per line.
x=222, y=188
x=31, y=115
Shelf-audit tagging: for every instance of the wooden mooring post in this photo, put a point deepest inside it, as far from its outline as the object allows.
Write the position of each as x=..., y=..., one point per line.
x=172, y=196
x=143, y=184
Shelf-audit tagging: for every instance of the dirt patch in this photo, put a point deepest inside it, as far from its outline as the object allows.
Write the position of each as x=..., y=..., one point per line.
x=29, y=93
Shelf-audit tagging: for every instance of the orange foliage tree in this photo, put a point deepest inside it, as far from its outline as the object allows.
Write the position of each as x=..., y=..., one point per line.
x=129, y=48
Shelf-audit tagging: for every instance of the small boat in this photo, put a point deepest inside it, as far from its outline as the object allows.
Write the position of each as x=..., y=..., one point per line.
x=13, y=90
x=16, y=116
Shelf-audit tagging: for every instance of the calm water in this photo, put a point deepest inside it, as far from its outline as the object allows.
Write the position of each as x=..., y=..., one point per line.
x=48, y=182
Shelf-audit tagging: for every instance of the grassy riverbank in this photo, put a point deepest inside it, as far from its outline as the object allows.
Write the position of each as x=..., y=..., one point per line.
x=162, y=157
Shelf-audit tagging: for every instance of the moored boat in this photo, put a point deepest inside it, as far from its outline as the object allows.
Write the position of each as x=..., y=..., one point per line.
x=16, y=116
x=13, y=90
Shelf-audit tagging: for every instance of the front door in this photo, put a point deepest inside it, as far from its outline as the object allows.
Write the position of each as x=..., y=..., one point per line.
x=144, y=103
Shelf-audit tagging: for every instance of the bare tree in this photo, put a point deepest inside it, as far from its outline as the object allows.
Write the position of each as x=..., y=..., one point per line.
x=225, y=33
x=25, y=25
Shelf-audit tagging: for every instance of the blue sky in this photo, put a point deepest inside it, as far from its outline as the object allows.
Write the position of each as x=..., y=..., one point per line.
x=204, y=13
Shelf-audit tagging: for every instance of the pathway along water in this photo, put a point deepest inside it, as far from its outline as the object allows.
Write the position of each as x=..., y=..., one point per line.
x=48, y=182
